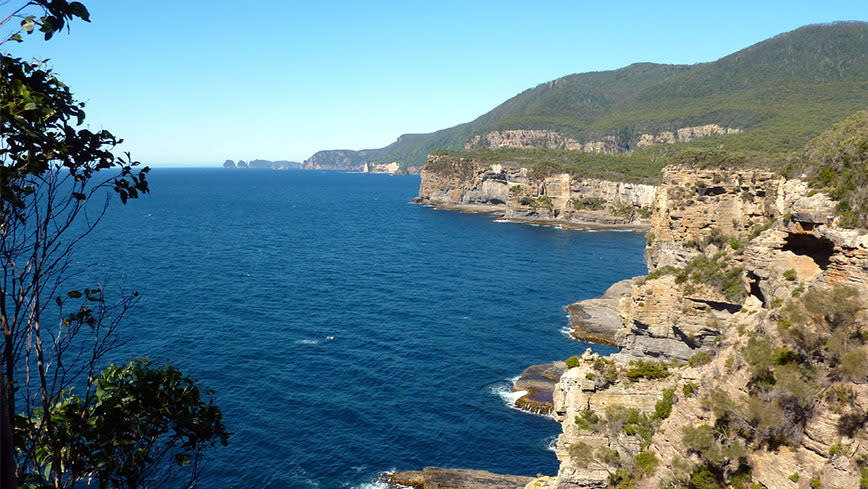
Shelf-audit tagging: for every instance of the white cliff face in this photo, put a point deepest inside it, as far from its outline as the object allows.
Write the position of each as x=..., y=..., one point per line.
x=462, y=182
x=393, y=168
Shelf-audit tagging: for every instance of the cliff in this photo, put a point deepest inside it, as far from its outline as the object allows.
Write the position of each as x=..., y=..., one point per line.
x=520, y=193
x=530, y=138
x=744, y=360
x=392, y=168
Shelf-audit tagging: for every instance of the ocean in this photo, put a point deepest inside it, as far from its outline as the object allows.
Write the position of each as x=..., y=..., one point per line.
x=346, y=332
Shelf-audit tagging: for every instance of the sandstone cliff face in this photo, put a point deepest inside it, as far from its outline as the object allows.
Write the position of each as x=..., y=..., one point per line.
x=729, y=252
x=684, y=134
x=514, y=192
x=393, y=168
x=535, y=138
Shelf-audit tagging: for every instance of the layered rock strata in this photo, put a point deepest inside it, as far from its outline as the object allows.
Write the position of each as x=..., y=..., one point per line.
x=596, y=320
x=730, y=254
x=516, y=193
x=535, y=138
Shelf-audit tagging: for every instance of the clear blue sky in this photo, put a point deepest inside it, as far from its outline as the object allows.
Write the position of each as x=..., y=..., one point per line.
x=191, y=82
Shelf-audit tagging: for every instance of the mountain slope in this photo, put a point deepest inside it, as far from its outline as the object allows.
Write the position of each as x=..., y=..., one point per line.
x=780, y=92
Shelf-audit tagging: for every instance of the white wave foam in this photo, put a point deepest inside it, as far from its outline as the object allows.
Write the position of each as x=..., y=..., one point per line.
x=502, y=220
x=381, y=481
x=306, y=342
x=373, y=485
x=551, y=443
x=504, y=391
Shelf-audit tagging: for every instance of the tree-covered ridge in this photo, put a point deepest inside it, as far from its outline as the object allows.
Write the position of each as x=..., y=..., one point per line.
x=781, y=92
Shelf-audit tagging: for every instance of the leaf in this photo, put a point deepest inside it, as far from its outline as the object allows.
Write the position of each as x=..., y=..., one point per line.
x=74, y=294
x=27, y=24
x=16, y=37
x=79, y=10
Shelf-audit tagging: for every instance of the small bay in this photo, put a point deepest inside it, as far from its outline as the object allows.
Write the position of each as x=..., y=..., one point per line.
x=345, y=331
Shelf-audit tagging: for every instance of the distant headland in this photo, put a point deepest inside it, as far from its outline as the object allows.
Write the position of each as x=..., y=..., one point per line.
x=274, y=165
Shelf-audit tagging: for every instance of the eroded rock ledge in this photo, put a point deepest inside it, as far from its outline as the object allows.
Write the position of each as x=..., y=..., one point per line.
x=440, y=478
x=539, y=382
x=596, y=320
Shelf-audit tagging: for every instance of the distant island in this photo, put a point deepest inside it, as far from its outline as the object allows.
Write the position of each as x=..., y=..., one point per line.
x=274, y=165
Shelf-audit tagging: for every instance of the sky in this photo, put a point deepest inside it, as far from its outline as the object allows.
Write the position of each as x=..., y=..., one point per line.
x=190, y=83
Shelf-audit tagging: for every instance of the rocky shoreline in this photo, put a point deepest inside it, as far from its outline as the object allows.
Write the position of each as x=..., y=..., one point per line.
x=521, y=194
x=442, y=478
x=584, y=222
x=731, y=255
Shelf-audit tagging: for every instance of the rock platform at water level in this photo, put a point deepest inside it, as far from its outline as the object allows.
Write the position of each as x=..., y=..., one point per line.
x=596, y=320
x=439, y=478
x=539, y=383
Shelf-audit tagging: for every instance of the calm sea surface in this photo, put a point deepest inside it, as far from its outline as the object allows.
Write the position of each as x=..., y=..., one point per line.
x=345, y=331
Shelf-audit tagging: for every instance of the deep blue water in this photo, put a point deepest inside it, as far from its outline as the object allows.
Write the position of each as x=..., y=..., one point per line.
x=245, y=274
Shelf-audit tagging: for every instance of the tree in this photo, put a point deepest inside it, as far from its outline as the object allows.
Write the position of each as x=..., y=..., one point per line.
x=139, y=417
x=56, y=181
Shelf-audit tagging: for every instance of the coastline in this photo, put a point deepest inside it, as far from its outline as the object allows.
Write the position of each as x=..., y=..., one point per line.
x=499, y=213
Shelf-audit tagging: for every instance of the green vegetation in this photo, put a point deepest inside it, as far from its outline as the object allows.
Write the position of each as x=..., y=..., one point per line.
x=589, y=421
x=715, y=271
x=663, y=407
x=605, y=371
x=837, y=163
x=781, y=92
x=64, y=421
x=637, y=167
x=647, y=462
x=454, y=167
x=688, y=389
x=573, y=362
x=630, y=421
x=700, y=358
x=140, y=421
x=820, y=343
x=647, y=369
x=581, y=452
x=536, y=203
x=790, y=275
x=590, y=204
